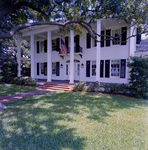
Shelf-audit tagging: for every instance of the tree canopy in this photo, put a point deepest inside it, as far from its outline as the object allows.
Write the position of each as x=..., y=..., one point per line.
x=19, y=14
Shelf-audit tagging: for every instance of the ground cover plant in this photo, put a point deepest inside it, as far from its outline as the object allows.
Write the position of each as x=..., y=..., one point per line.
x=70, y=120
x=8, y=89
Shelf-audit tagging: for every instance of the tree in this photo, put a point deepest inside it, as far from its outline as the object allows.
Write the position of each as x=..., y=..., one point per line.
x=18, y=14
x=8, y=51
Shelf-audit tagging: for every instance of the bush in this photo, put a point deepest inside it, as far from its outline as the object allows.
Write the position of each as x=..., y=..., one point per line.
x=92, y=87
x=24, y=81
x=116, y=88
x=80, y=86
x=138, y=83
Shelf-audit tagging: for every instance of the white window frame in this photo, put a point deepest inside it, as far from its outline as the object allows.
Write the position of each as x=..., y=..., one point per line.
x=42, y=47
x=54, y=65
x=118, y=31
x=113, y=70
x=54, y=43
x=42, y=69
x=93, y=68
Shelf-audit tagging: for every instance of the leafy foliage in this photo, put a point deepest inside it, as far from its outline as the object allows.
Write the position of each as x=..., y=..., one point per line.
x=24, y=81
x=9, y=47
x=92, y=87
x=79, y=13
x=80, y=86
x=138, y=76
x=116, y=88
x=9, y=69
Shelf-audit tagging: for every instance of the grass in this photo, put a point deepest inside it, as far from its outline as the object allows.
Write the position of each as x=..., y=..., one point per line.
x=8, y=89
x=69, y=120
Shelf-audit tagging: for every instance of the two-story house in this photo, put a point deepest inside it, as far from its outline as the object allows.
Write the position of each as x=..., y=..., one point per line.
x=86, y=59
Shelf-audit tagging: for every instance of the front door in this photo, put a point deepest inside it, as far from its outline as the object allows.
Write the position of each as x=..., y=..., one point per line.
x=77, y=71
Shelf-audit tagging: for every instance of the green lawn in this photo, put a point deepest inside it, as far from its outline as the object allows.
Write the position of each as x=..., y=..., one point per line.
x=81, y=121
x=8, y=89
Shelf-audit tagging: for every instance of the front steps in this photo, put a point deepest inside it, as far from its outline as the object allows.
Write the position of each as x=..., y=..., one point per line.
x=56, y=86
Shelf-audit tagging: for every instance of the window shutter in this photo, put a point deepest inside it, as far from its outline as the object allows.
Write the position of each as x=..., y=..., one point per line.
x=88, y=68
x=102, y=39
x=45, y=46
x=66, y=42
x=107, y=68
x=88, y=40
x=123, y=36
x=123, y=68
x=57, y=68
x=58, y=44
x=101, y=68
x=45, y=68
x=37, y=46
x=107, y=38
x=138, y=40
x=38, y=70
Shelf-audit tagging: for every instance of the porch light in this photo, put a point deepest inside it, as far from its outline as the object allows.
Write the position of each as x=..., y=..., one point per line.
x=82, y=65
x=61, y=65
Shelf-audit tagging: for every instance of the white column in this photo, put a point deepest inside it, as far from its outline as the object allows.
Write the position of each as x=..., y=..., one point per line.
x=18, y=56
x=98, y=51
x=72, y=57
x=49, y=48
x=32, y=56
x=132, y=40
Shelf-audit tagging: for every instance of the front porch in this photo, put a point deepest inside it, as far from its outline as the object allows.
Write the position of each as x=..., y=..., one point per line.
x=59, y=84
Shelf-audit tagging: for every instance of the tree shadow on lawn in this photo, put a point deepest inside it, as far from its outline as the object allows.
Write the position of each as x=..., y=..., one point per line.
x=8, y=89
x=33, y=122
x=26, y=127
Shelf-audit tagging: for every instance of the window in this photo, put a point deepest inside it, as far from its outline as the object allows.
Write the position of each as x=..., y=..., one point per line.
x=93, y=68
x=54, y=68
x=42, y=46
x=95, y=41
x=42, y=68
x=54, y=45
x=88, y=41
x=115, y=67
x=78, y=69
x=116, y=36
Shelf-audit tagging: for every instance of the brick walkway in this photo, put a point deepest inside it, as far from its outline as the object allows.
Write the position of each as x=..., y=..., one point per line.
x=22, y=95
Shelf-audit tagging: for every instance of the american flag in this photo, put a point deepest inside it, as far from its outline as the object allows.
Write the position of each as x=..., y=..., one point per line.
x=63, y=47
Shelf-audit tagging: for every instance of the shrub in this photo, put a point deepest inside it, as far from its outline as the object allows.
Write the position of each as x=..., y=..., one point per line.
x=80, y=86
x=124, y=89
x=24, y=81
x=138, y=81
x=115, y=88
x=92, y=87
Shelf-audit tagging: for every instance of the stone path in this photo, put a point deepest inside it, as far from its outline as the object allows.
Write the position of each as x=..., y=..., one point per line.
x=22, y=95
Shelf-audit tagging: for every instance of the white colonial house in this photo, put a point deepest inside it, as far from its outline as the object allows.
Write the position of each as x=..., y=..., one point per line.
x=87, y=60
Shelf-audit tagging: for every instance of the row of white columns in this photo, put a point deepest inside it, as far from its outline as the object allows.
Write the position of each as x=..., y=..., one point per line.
x=49, y=48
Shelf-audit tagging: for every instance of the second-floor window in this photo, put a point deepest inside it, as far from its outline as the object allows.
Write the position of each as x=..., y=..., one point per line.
x=42, y=46
x=116, y=36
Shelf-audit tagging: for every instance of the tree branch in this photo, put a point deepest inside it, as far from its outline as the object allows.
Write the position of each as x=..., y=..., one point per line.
x=18, y=5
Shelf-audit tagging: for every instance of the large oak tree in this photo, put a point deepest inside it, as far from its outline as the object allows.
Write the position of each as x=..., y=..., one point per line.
x=19, y=14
